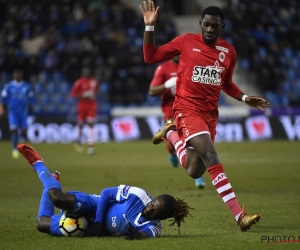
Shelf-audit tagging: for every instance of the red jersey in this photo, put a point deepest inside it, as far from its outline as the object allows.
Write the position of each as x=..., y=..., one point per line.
x=85, y=85
x=164, y=72
x=203, y=71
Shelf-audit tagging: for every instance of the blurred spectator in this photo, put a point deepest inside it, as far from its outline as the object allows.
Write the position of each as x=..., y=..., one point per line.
x=266, y=36
x=65, y=36
x=106, y=35
x=17, y=98
x=85, y=90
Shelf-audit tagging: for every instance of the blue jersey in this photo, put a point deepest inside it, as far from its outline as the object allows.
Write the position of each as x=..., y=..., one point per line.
x=17, y=96
x=125, y=204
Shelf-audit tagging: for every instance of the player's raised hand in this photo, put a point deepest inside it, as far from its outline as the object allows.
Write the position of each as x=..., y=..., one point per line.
x=149, y=12
x=257, y=102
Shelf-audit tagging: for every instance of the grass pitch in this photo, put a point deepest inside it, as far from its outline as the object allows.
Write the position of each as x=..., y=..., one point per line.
x=264, y=175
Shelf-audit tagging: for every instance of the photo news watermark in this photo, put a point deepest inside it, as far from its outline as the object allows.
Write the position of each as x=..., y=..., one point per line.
x=273, y=239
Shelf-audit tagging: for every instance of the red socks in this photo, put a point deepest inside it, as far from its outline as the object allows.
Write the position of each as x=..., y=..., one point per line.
x=223, y=187
x=173, y=137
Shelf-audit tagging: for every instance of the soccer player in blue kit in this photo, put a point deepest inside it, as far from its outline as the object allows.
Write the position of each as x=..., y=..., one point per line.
x=17, y=97
x=117, y=211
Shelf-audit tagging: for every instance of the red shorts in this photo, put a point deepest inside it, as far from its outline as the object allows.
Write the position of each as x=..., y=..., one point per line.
x=191, y=122
x=87, y=113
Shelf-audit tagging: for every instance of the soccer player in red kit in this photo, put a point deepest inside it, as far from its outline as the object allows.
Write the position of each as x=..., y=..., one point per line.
x=164, y=84
x=206, y=67
x=85, y=89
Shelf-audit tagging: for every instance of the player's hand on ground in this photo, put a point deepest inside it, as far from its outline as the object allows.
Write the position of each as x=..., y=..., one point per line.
x=97, y=230
x=257, y=102
x=149, y=12
x=133, y=233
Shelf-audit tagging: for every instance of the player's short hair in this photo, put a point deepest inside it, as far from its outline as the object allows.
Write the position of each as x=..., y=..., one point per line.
x=176, y=209
x=213, y=11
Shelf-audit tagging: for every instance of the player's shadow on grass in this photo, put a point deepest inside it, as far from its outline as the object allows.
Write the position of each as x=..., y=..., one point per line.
x=186, y=236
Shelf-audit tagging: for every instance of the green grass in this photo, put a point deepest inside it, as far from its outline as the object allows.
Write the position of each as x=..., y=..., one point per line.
x=264, y=175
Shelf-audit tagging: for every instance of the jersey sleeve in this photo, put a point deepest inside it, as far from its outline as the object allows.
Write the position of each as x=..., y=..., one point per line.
x=229, y=86
x=158, y=78
x=164, y=52
x=152, y=230
x=75, y=91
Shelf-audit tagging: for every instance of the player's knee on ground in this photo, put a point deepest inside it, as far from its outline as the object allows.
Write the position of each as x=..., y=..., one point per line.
x=43, y=224
x=60, y=199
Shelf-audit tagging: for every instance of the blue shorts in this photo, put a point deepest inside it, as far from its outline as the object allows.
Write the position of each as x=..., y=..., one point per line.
x=85, y=204
x=17, y=120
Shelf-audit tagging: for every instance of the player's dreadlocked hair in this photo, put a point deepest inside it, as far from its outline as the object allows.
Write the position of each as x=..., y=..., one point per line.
x=176, y=208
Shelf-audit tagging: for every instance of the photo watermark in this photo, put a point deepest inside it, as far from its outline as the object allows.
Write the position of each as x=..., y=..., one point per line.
x=275, y=239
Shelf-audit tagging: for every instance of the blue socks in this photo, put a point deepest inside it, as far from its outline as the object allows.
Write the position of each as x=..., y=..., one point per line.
x=14, y=140
x=45, y=176
x=46, y=206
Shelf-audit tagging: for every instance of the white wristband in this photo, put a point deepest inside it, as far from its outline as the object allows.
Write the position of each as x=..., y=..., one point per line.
x=149, y=28
x=244, y=98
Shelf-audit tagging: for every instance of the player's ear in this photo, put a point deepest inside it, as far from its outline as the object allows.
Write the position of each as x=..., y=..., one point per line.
x=223, y=26
x=200, y=22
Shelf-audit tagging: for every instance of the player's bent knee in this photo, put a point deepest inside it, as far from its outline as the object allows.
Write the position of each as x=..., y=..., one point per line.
x=57, y=197
x=195, y=172
x=43, y=224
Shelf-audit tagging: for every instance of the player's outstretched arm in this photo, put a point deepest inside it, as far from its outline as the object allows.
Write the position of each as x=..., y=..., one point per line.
x=150, y=14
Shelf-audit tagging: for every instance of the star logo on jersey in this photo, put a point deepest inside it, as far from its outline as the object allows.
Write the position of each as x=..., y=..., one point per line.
x=208, y=75
x=217, y=67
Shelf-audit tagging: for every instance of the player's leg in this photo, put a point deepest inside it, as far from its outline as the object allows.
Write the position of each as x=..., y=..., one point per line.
x=90, y=138
x=204, y=146
x=203, y=154
x=195, y=167
x=23, y=128
x=172, y=154
x=80, y=122
x=91, y=120
x=85, y=204
x=50, y=183
x=173, y=137
x=46, y=210
x=49, y=225
x=13, y=127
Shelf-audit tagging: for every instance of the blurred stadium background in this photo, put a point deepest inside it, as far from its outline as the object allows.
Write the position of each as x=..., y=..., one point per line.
x=52, y=40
